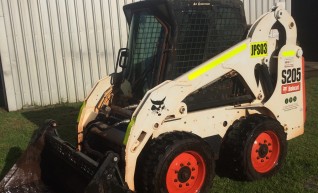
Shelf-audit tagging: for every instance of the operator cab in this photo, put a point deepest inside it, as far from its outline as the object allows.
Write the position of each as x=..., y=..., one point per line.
x=168, y=38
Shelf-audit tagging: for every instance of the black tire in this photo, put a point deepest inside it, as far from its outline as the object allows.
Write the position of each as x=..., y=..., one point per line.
x=169, y=148
x=253, y=148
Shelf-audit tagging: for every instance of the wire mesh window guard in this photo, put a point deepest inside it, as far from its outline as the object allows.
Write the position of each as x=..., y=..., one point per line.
x=204, y=32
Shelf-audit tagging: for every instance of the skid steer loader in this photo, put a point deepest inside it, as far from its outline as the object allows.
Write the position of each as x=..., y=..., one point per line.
x=193, y=86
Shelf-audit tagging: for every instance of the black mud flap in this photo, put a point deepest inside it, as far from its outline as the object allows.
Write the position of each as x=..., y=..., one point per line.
x=51, y=165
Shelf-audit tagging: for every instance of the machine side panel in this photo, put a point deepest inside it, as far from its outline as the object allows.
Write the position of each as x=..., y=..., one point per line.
x=287, y=100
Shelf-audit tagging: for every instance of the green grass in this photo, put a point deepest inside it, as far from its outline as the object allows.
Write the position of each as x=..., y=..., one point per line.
x=299, y=173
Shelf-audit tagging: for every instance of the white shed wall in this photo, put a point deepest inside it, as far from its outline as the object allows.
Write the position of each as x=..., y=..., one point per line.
x=54, y=51
x=255, y=8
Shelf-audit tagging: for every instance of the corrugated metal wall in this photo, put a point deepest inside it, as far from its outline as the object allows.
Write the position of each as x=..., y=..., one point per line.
x=54, y=51
x=255, y=8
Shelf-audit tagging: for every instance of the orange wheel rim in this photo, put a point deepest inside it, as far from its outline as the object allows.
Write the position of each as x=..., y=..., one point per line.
x=265, y=152
x=186, y=173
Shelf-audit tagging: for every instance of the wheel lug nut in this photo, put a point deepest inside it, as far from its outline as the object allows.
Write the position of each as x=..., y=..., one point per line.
x=180, y=185
x=188, y=163
x=193, y=169
x=181, y=165
x=175, y=180
x=257, y=157
x=262, y=160
x=257, y=150
x=187, y=184
x=270, y=151
x=269, y=144
x=267, y=157
x=192, y=177
x=265, y=141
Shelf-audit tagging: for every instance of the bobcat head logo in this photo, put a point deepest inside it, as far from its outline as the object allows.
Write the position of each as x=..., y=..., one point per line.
x=158, y=106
